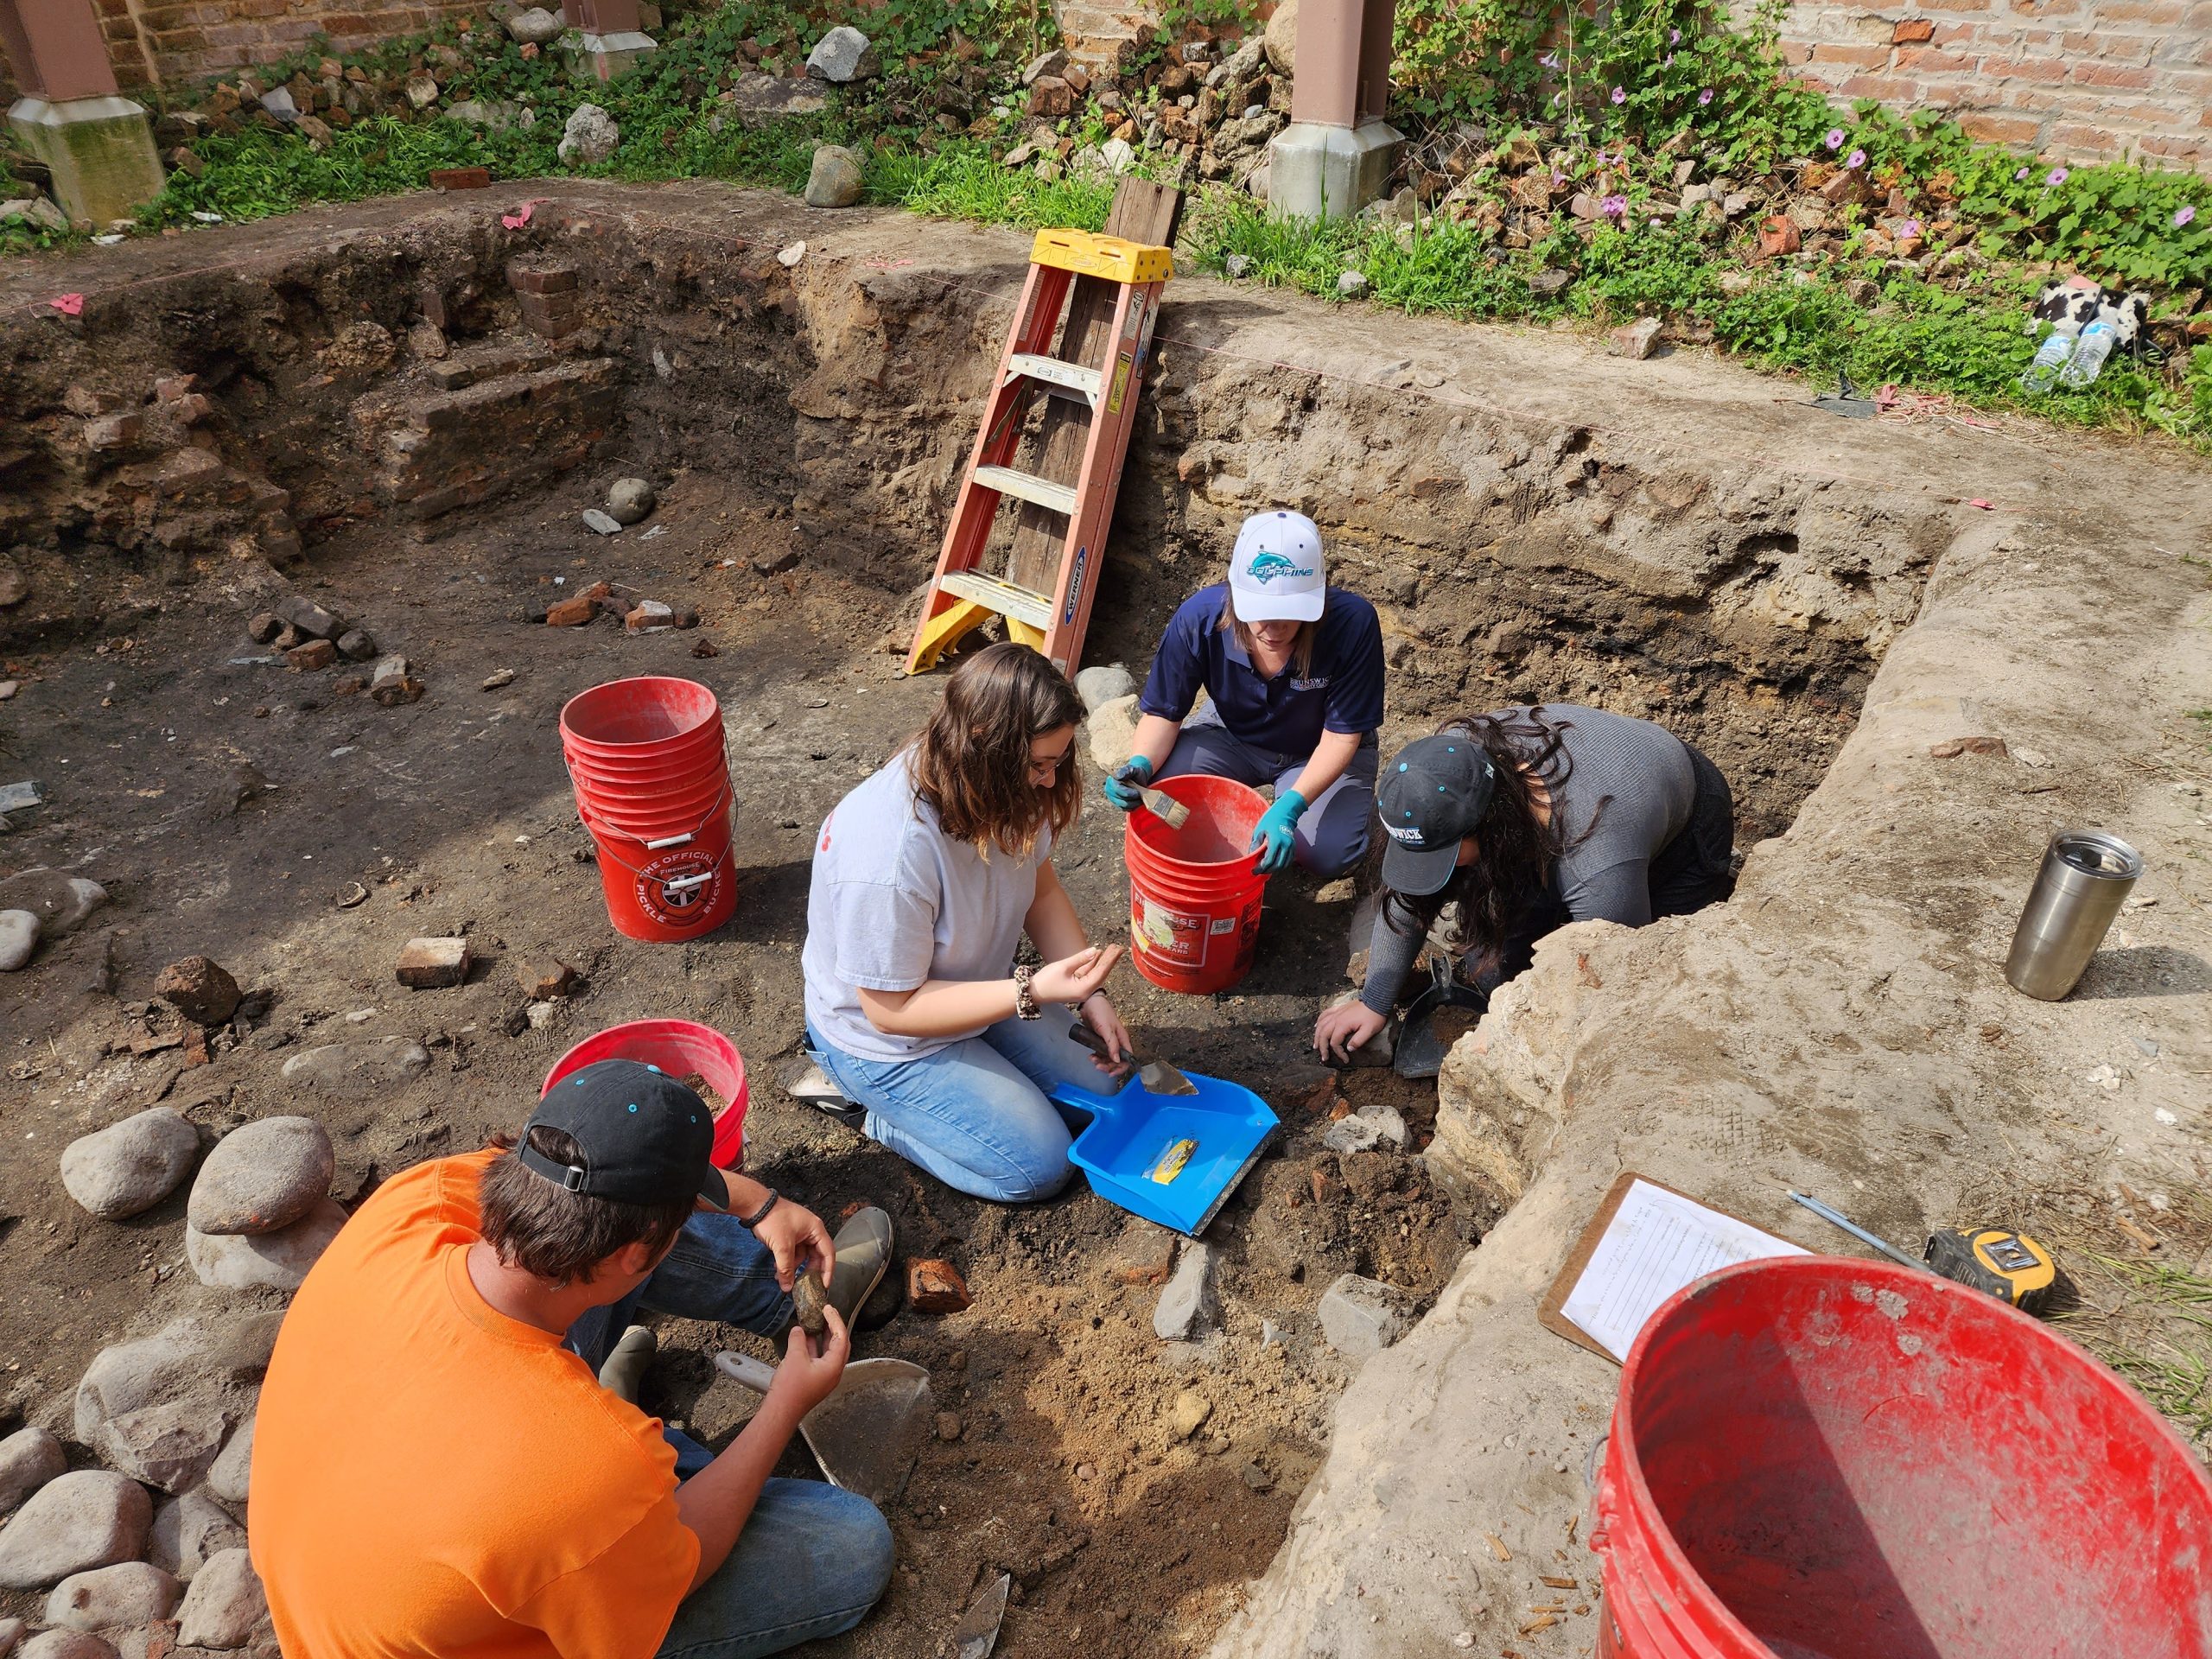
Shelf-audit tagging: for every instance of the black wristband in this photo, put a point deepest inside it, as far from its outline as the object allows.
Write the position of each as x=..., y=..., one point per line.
x=760, y=1215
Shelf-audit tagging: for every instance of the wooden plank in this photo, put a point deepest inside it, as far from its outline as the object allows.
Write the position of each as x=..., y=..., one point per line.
x=1144, y=213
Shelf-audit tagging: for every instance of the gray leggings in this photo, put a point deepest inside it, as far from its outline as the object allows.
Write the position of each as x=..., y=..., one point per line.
x=1332, y=836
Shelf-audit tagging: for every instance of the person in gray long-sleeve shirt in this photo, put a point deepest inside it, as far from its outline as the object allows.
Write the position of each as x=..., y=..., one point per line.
x=1532, y=817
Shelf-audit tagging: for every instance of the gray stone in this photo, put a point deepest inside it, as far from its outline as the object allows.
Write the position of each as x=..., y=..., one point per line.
x=311, y=619
x=29, y=1458
x=1118, y=154
x=535, y=26
x=76, y=1522
x=363, y=1066
x=113, y=1598
x=277, y=101
x=66, y=1645
x=493, y=116
x=131, y=1166
x=601, y=523
x=629, y=499
x=589, y=137
x=223, y=1604
x=37, y=211
x=1351, y=285
x=187, y=1531
x=228, y=1475
x=758, y=99
x=277, y=1260
x=60, y=902
x=1189, y=1309
x=1104, y=684
x=167, y=1445
x=11, y=1629
x=1237, y=266
x=1039, y=68
x=1635, y=340
x=1363, y=1131
x=836, y=178
x=844, y=53
x=1360, y=1316
x=1281, y=43
x=1111, y=730
x=358, y=645
x=18, y=938
x=263, y=1176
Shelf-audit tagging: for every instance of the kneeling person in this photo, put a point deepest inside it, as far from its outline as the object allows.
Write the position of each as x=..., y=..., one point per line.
x=438, y=1469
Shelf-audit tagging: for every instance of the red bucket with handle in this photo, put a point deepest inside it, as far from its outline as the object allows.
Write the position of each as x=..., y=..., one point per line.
x=1194, y=892
x=682, y=1049
x=1822, y=1457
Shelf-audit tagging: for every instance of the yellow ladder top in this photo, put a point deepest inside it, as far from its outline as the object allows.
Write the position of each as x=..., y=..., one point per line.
x=1110, y=256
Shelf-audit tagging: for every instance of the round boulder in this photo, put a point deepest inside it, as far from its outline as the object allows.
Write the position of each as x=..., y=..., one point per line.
x=189, y=1531
x=76, y=1522
x=589, y=137
x=117, y=1598
x=535, y=26
x=224, y=1603
x=200, y=990
x=1100, y=686
x=18, y=938
x=29, y=1458
x=835, y=179
x=277, y=1260
x=60, y=902
x=629, y=499
x=262, y=1177
x=65, y=1644
x=1282, y=38
x=131, y=1166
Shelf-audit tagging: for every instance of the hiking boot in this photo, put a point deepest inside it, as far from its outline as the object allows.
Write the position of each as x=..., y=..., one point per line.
x=863, y=1247
x=624, y=1374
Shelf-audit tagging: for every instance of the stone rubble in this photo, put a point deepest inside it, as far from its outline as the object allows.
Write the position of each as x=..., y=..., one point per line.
x=629, y=499
x=834, y=178
x=590, y=136
x=129, y=1593
x=76, y=1522
x=432, y=965
x=223, y=1604
x=187, y=1531
x=277, y=1260
x=200, y=990
x=1101, y=685
x=844, y=54
x=29, y=1458
x=18, y=938
x=1189, y=1308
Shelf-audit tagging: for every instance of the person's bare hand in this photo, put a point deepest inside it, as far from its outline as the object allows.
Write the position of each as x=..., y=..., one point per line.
x=1072, y=978
x=812, y=1366
x=1339, y=1030
x=797, y=1238
x=1098, y=1014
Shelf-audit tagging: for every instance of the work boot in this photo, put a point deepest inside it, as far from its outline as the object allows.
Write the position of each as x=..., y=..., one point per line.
x=863, y=1247
x=624, y=1374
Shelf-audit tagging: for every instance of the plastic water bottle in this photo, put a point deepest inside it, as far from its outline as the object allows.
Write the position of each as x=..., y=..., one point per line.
x=2089, y=353
x=2050, y=358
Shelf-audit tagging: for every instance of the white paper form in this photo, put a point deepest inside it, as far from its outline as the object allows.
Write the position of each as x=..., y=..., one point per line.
x=1655, y=1243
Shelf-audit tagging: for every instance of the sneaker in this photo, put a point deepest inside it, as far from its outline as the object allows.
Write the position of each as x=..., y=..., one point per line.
x=810, y=1084
x=863, y=1247
x=624, y=1373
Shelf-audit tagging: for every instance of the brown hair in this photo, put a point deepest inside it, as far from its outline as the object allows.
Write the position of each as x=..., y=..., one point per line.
x=553, y=1234
x=1301, y=650
x=971, y=762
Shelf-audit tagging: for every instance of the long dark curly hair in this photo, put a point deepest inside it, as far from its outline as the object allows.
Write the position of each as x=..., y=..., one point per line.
x=971, y=762
x=1516, y=846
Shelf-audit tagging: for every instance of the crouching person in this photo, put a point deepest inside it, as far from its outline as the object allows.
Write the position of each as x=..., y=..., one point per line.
x=440, y=1463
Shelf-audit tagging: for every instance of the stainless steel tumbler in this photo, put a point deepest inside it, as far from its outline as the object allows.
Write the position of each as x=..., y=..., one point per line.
x=2085, y=876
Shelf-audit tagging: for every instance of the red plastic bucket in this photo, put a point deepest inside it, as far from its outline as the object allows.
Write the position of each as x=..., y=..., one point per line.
x=680, y=1048
x=1817, y=1457
x=1194, y=892
x=646, y=759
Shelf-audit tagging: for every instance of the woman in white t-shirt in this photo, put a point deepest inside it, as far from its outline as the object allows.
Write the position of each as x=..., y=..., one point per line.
x=926, y=878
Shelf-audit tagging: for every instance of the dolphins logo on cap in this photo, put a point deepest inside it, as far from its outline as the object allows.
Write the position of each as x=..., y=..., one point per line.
x=1266, y=566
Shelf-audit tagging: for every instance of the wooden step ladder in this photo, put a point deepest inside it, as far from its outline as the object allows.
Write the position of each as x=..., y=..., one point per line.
x=1109, y=284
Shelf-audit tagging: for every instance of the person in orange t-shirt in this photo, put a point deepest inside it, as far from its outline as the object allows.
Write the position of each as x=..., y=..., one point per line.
x=437, y=1470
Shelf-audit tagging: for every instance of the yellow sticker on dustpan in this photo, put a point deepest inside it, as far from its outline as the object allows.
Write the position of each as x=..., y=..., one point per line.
x=1171, y=1162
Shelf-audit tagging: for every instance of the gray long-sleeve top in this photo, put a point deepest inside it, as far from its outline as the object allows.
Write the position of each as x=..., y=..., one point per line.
x=1646, y=772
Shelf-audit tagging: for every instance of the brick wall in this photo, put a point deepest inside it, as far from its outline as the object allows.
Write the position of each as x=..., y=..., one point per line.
x=2094, y=79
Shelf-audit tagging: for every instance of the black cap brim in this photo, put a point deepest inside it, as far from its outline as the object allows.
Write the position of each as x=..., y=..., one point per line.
x=1418, y=873
x=713, y=1189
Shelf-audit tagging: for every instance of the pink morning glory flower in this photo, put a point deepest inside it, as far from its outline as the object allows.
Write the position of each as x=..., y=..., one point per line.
x=1835, y=138
x=1857, y=158
x=1620, y=95
x=1550, y=59
x=1909, y=227
x=2184, y=215
x=1705, y=97
x=1613, y=207
x=2020, y=177
x=2057, y=175
x=1674, y=37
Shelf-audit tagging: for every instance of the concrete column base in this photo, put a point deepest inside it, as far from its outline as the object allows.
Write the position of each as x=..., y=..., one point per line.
x=603, y=57
x=100, y=151
x=1328, y=172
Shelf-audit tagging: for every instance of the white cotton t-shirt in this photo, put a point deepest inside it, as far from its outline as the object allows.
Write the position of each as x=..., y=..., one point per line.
x=894, y=901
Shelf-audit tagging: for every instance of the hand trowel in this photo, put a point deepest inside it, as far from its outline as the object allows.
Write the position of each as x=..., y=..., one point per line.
x=868, y=1432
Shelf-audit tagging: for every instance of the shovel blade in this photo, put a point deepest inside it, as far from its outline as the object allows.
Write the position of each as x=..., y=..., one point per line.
x=868, y=1433
x=977, y=1632
x=1162, y=1078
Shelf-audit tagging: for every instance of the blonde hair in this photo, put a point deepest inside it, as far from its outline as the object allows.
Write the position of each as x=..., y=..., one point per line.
x=971, y=762
x=1301, y=650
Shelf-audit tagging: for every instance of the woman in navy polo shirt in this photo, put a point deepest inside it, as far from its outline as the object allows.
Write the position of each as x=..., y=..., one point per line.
x=1295, y=671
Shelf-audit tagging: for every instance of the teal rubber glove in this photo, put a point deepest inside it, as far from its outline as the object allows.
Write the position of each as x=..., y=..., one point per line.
x=1278, y=828
x=1125, y=784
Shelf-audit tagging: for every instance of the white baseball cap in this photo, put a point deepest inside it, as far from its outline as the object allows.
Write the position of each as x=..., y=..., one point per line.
x=1276, y=572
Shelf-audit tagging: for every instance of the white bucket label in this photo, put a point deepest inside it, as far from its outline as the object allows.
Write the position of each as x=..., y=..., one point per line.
x=1170, y=935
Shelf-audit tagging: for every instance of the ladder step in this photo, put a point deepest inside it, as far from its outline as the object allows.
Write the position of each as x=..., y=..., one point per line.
x=996, y=593
x=1027, y=486
x=1057, y=375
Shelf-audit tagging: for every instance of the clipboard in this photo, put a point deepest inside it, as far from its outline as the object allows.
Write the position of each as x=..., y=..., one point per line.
x=1551, y=1313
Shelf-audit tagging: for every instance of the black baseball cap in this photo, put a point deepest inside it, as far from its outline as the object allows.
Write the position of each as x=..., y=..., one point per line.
x=642, y=1137
x=1431, y=797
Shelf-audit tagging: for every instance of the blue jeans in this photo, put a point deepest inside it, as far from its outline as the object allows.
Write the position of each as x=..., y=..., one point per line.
x=975, y=1114
x=1332, y=833
x=811, y=1559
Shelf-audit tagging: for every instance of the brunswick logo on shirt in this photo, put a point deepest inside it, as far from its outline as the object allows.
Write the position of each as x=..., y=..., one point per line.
x=1266, y=566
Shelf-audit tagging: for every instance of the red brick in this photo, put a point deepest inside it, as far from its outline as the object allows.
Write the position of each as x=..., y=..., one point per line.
x=2076, y=139
x=934, y=1287
x=1936, y=63
x=541, y=279
x=1886, y=88
x=316, y=653
x=1856, y=57
x=1911, y=31
x=571, y=613
x=2163, y=13
x=2000, y=128
x=2091, y=73
x=2035, y=69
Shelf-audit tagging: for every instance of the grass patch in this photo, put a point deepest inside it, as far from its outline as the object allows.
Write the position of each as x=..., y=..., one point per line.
x=2151, y=1322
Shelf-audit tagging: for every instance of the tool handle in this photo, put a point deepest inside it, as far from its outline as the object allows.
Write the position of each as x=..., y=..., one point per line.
x=1091, y=1041
x=747, y=1371
x=1837, y=1218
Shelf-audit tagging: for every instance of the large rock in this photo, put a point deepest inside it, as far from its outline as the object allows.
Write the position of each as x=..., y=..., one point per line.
x=364, y=1066
x=168, y=1446
x=844, y=53
x=224, y=1603
x=18, y=938
x=1188, y=1309
x=79, y=1521
x=1281, y=43
x=1112, y=729
x=11, y=1629
x=158, y=1406
x=535, y=26
x=29, y=1458
x=231, y=1475
x=835, y=180
x=1361, y=1317
x=277, y=1260
x=189, y=1531
x=60, y=902
x=629, y=499
x=117, y=1598
x=758, y=99
x=66, y=1645
x=262, y=1177
x=1102, y=685
x=131, y=1166
x=589, y=137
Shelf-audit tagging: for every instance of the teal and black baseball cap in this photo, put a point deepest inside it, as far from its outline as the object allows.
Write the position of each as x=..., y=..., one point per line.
x=642, y=1137
x=1430, y=798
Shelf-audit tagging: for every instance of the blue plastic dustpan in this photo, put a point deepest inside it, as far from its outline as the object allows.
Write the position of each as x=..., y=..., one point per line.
x=1130, y=1148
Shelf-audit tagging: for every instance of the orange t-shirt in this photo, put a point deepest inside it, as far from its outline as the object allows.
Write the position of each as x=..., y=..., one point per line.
x=431, y=1477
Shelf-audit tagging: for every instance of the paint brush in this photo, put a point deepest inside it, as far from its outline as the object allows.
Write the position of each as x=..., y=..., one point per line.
x=1166, y=808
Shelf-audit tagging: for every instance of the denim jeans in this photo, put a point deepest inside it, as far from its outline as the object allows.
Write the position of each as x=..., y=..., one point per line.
x=811, y=1559
x=975, y=1114
x=1332, y=832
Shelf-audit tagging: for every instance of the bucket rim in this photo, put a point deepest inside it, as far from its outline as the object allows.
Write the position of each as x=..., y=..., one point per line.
x=583, y=699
